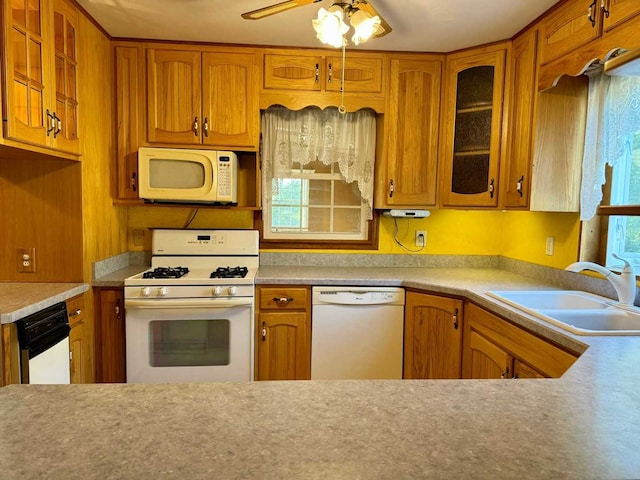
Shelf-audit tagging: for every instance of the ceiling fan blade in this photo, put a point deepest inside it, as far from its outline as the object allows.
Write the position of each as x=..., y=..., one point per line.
x=276, y=8
x=384, y=27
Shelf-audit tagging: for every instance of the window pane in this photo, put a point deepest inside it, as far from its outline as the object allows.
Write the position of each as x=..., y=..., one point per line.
x=320, y=192
x=347, y=220
x=347, y=194
x=623, y=236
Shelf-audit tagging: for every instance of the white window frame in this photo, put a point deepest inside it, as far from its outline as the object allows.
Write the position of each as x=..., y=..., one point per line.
x=285, y=234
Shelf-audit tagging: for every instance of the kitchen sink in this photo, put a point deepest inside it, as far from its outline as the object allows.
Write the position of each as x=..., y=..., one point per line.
x=581, y=313
x=552, y=299
x=589, y=320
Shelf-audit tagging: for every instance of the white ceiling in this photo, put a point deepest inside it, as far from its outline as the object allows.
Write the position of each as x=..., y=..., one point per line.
x=418, y=25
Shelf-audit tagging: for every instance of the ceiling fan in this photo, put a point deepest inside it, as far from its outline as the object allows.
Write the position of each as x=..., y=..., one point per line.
x=349, y=7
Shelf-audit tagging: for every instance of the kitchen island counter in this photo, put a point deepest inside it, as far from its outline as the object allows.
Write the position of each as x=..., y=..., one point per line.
x=584, y=425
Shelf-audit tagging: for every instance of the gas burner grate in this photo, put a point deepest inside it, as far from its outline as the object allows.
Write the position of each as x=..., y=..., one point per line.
x=166, y=272
x=229, y=272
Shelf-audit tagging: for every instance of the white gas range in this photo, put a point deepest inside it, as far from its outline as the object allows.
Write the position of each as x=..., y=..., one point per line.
x=190, y=316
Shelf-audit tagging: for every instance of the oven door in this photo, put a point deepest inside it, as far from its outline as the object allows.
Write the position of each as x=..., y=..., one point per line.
x=189, y=340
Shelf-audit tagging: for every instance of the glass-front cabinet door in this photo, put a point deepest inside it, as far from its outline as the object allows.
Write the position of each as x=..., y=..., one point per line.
x=472, y=129
x=65, y=28
x=27, y=70
x=40, y=70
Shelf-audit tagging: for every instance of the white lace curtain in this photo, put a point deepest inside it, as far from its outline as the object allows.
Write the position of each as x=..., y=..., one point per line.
x=613, y=117
x=327, y=136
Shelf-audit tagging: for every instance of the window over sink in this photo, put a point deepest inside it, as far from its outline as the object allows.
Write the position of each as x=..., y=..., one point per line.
x=318, y=177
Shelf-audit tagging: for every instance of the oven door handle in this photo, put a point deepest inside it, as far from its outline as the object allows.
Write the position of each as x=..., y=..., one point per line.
x=189, y=303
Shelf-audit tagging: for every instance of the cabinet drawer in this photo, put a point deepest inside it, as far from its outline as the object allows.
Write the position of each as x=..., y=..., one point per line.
x=283, y=298
x=76, y=309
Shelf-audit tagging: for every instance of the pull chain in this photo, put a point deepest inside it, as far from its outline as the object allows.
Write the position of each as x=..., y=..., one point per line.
x=342, y=109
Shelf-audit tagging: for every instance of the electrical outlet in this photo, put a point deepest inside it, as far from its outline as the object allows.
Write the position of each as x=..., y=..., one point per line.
x=27, y=260
x=549, y=246
x=421, y=238
x=138, y=238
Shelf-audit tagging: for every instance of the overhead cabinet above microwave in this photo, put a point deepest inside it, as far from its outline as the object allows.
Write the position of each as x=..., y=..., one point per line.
x=202, y=97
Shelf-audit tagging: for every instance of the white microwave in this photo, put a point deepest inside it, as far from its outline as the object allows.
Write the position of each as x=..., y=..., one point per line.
x=187, y=176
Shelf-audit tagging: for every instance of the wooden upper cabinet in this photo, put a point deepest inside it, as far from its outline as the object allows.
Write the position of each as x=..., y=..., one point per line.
x=577, y=22
x=27, y=92
x=230, y=99
x=202, y=98
x=40, y=95
x=618, y=11
x=407, y=175
x=174, y=96
x=65, y=33
x=516, y=165
x=292, y=72
x=471, y=127
x=571, y=25
x=311, y=72
x=362, y=74
x=130, y=117
x=432, y=336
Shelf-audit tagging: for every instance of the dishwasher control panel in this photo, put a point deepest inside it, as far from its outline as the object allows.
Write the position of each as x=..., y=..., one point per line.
x=358, y=295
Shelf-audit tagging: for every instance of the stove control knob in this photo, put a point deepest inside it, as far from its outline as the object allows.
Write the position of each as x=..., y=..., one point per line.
x=162, y=291
x=233, y=290
x=145, y=292
x=217, y=291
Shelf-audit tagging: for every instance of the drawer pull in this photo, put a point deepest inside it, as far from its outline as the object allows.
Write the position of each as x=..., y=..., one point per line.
x=75, y=313
x=282, y=300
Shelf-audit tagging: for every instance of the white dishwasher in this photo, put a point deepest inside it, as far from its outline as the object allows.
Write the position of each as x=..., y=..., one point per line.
x=357, y=333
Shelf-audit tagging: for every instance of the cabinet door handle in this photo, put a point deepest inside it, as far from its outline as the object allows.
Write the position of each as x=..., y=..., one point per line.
x=604, y=9
x=264, y=331
x=282, y=300
x=505, y=374
x=590, y=14
x=330, y=73
x=491, y=188
x=195, y=126
x=132, y=182
x=519, y=185
x=58, y=125
x=51, y=122
x=205, y=126
x=455, y=320
x=392, y=188
x=317, y=72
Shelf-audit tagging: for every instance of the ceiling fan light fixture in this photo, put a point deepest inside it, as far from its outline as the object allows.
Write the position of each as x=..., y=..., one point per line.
x=364, y=25
x=330, y=26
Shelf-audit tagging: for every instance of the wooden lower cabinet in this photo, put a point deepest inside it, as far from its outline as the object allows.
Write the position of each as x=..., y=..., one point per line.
x=432, y=336
x=283, y=333
x=496, y=348
x=110, y=335
x=80, y=341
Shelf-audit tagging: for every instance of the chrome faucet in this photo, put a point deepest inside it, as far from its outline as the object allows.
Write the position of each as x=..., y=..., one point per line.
x=625, y=283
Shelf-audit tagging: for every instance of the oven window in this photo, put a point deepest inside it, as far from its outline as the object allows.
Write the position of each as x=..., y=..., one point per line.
x=182, y=343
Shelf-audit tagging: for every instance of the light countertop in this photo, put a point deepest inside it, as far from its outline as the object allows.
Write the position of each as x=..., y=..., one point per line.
x=583, y=425
x=17, y=300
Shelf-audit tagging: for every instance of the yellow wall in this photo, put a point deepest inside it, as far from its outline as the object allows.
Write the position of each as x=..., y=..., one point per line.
x=518, y=235
x=525, y=236
x=149, y=217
